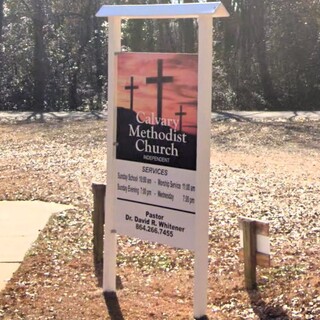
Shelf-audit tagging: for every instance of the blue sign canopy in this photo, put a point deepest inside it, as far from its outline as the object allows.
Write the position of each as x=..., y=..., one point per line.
x=164, y=11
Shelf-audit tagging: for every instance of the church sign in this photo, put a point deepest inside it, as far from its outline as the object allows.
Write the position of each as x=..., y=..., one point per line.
x=159, y=127
x=156, y=147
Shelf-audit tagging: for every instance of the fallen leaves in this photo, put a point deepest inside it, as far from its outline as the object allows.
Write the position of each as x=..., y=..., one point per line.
x=268, y=171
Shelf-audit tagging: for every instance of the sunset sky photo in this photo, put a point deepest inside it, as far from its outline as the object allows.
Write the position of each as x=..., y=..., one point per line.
x=181, y=92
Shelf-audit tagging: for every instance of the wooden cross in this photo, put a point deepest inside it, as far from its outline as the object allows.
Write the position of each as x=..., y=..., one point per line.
x=159, y=80
x=131, y=88
x=180, y=114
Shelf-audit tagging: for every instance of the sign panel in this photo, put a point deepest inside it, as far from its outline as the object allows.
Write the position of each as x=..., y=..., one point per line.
x=262, y=241
x=156, y=147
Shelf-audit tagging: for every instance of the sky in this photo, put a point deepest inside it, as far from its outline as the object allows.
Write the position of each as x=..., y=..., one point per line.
x=181, y=92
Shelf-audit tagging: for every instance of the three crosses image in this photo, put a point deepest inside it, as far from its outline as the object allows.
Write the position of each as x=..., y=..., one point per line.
x=159, y=80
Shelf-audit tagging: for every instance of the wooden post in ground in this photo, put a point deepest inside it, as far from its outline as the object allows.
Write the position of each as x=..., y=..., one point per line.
x=255, y=247
x=99, y=191
x=249, y=250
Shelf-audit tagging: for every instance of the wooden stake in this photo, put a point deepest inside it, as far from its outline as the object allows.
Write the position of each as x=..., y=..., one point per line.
x=99, y=191
x=249, y=249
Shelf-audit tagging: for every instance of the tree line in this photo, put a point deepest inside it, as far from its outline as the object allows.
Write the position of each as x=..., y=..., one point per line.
x=53, y=54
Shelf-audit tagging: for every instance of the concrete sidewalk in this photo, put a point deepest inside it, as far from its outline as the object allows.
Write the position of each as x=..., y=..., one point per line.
x=20, y=224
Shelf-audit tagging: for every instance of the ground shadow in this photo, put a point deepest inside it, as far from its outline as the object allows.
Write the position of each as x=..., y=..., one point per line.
x=264, y=310
x=97, y=115
x=295, y=114
x=202, y=318
x=43, y=117
x=98, y=270
x=35, y=117
x=113, y=305
x=110, y=298
x=224, y=115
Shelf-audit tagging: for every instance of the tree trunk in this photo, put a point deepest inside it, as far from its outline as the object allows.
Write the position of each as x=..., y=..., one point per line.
x=188, y=38
x=99, y=63
x=164, y=40
x=40, y=66
x=1, y=26
x=136, y=41
x=258, y=17
x=188, y=34
x=73, y=94
x=1, y=18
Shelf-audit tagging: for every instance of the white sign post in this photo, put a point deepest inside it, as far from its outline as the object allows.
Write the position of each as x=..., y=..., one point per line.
x=133, y=205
